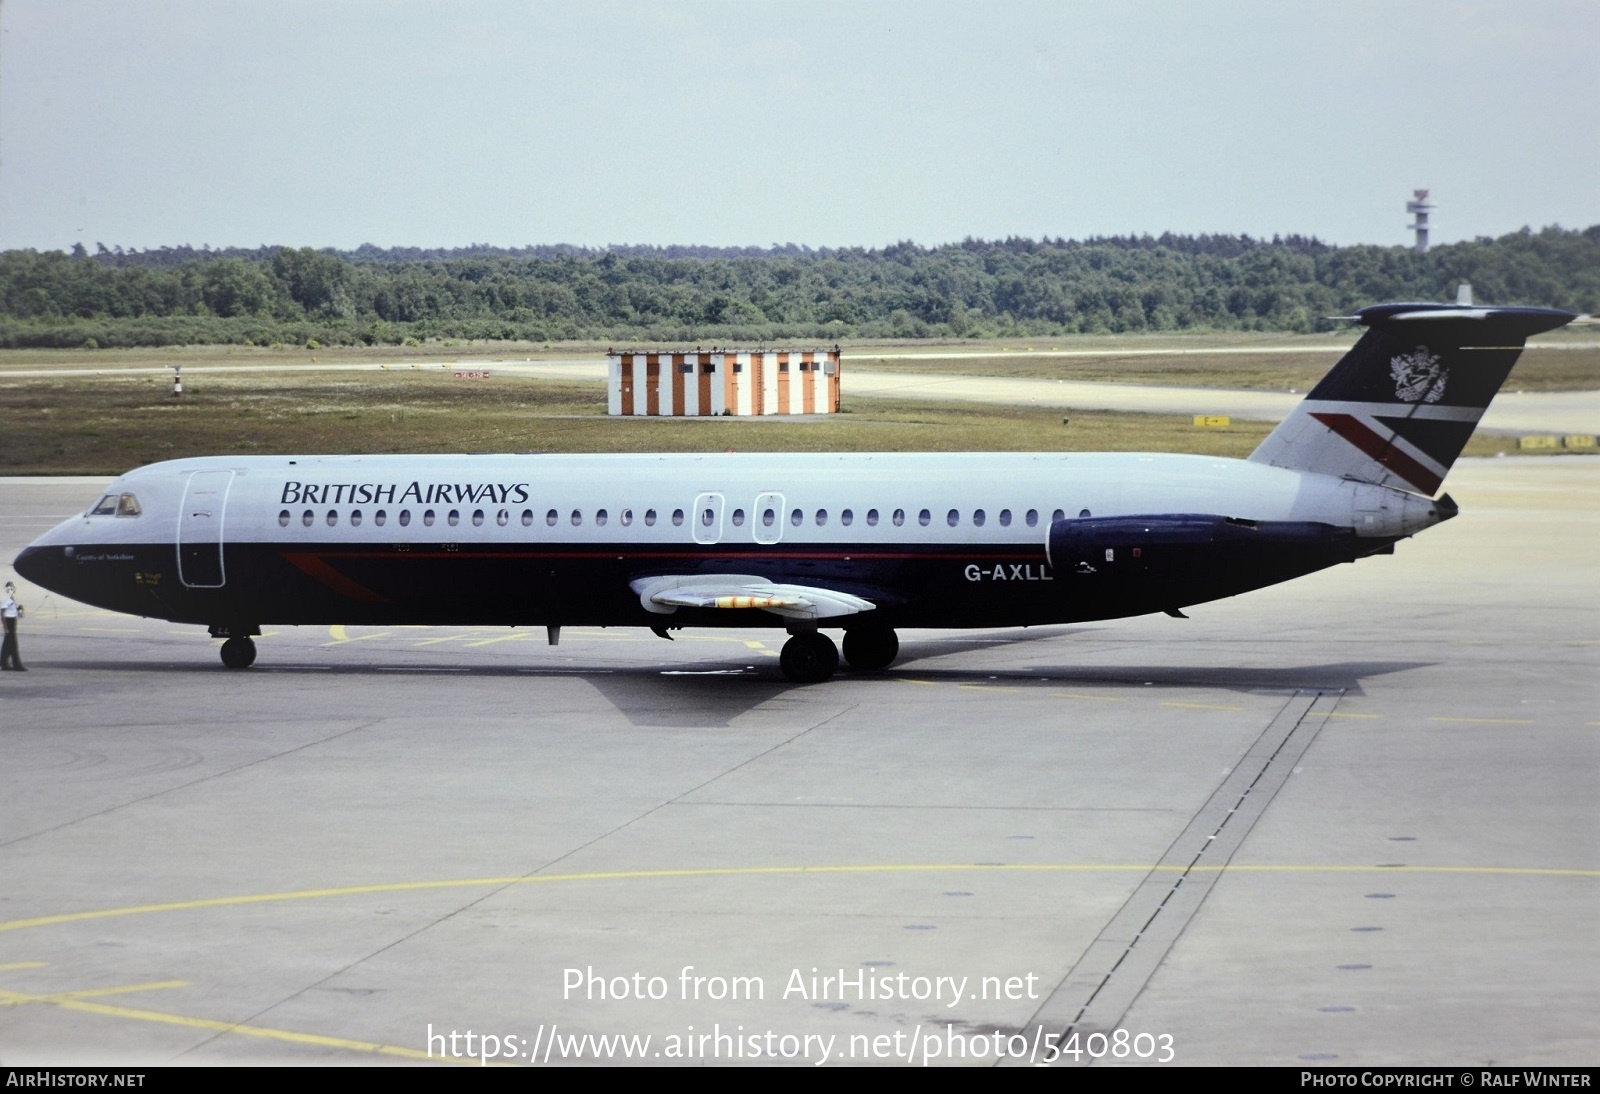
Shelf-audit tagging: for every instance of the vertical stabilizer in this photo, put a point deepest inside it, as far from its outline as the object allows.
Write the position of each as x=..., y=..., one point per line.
x=1399, y=407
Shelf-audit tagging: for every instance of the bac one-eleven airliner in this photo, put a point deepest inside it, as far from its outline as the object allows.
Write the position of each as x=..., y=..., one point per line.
x=864, y=543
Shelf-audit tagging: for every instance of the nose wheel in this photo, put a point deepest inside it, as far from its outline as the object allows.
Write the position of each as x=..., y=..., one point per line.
x=809, y=658
x=239, y=652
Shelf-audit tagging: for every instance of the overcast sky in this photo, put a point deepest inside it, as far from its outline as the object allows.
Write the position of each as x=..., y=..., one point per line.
x=144, y=123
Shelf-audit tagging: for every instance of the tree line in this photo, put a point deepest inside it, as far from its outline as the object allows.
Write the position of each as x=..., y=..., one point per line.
x=972, y=289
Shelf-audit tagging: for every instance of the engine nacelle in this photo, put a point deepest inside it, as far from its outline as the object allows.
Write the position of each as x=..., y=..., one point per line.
x=1175, y=559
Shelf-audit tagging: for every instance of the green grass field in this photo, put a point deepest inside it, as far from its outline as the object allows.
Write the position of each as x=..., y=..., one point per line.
x=1565, y=360
x=106, y=425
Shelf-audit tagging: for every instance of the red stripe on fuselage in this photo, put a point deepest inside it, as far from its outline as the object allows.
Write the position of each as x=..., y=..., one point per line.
x=314, y=567
x=1381, y=449
x=618, y=553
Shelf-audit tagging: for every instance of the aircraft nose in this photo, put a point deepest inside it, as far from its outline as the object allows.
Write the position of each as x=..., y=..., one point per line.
x=47, y=561
x=31, y=564
x=46, y=565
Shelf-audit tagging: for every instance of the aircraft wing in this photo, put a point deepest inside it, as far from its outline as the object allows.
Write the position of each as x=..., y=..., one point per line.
x=664, y=595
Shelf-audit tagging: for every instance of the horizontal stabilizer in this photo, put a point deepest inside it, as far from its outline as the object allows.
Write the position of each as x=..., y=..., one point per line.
x=664, y=595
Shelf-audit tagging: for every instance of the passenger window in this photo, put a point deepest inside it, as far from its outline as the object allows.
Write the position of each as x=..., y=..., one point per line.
x=953, y=517
x=626, y=517
x=333, y=517
x=477, y=518
x=977, y=518
x=1058, y=515
x=527, y=518
x=1083, y=514
x=677, y=518
x=454, y=518
x=427, y=518
x=600, y=516
x=577, y=517
x=768, y=518
x=649, y=518
x=283, y=519
x=822, y=517
x=551, y=517
x=128, y=506
x=872, y=518
x=355, y=518
x=1033, y=518
x=105, y=507
x=846, y=517
x=796, y=518
x=899, y=517
x=502, y=518
x=308, y=518
x=1005, y=518
x=379, y=518
x=924, y=517
x=738, y=518
x=706, y=518
x=405, y=517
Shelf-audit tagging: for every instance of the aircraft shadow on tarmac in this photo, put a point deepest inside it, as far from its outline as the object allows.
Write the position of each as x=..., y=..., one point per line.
x=712, y=692
x=715, y=698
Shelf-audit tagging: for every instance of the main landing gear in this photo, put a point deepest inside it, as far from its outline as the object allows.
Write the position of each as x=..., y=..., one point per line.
x=239, y=652
x=810, y=657
x=870, y=649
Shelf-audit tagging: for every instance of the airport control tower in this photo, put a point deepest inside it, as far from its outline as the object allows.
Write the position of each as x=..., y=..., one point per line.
x=1420, y=206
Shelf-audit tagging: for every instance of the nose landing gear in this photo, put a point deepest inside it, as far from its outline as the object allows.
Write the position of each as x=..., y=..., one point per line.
x=239, y=652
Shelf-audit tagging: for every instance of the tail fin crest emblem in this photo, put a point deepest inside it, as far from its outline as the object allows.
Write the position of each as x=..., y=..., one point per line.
x=1418, y=377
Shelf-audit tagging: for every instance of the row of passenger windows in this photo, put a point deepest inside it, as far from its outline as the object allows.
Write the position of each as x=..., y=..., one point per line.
x=380, y=517
x=708, y=517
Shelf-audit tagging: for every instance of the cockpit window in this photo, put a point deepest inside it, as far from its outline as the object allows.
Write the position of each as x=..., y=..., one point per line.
x=119, y=505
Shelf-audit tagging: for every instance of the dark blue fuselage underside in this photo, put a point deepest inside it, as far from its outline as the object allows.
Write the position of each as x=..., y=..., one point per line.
x=541, y=584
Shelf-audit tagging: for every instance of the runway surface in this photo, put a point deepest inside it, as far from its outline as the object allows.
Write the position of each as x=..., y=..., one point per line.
x=1350, y=820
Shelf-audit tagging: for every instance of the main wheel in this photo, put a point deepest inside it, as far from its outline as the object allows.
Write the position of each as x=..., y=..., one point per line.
x=869, y=649
x=239, y=652
x=809, y=658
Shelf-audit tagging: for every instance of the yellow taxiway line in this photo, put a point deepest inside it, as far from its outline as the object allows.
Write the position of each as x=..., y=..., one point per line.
x=766, y=871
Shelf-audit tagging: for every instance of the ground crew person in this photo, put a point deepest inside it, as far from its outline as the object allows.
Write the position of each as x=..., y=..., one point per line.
x=9, y=611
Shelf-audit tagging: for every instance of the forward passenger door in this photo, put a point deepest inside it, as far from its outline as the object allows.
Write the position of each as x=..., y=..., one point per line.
x=200, y=529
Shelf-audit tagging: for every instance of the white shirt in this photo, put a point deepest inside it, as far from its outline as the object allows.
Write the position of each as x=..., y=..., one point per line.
x=9, y=607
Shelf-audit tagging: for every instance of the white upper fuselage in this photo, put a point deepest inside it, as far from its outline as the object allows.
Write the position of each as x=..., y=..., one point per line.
x=975, y=498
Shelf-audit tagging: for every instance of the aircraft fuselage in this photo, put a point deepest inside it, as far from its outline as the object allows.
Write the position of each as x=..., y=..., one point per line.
x=932, y=540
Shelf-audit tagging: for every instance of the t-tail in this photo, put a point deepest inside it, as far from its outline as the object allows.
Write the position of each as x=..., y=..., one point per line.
x=1399, y=407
